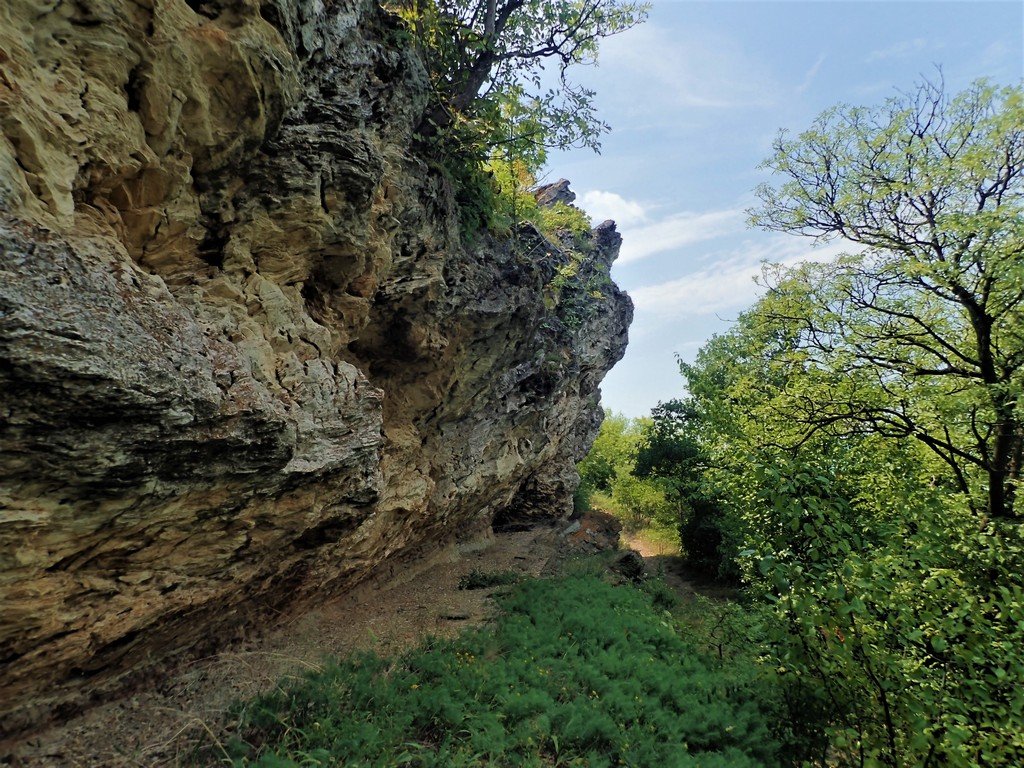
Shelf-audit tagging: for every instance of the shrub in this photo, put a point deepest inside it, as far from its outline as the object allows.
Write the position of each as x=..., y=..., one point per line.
x=575, y=671
x=485, y=579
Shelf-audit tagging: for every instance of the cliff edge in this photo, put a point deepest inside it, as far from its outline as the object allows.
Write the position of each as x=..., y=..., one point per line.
x=245, y=353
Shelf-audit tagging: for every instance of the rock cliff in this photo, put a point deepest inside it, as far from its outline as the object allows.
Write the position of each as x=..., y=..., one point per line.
x=245, y=356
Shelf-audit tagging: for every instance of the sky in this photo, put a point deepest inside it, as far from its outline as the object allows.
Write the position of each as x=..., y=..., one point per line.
x=695, y=97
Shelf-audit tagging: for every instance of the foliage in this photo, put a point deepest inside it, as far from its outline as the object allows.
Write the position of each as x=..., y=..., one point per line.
x=561, y=220
x=898, y=617
x=615, y=446
x=574, y=672
x=642, y=503
x=582, y=499
x=515, y=202
x=607, y=473
x=672, y=455
x=495, y=109
x=490, y=63
x=921, y=332
x=514, y=181
x=862, y=430
x=477, y=579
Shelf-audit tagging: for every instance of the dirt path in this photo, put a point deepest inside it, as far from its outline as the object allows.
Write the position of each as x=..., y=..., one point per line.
x=160, y=727
x=665, y=561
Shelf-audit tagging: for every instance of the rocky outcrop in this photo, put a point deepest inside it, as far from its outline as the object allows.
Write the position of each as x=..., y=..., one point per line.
x=557, y=192
x=245, y=356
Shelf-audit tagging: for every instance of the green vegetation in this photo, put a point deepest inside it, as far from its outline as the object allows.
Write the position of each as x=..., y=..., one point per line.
x=609, y=481
x=477, y=579
x=574, y=671
x=649, y=473
x=486, y=59
x=512, y=202
x=495, y=109
x=858, y=433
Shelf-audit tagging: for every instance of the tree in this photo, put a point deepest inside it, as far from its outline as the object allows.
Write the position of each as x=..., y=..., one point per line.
x=886, y=593
x=671, y=454
x=613, y=449
x=922, y=331
x=489, y=60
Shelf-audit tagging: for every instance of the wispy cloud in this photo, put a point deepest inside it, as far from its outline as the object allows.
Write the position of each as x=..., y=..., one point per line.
x=898, y=50
x=601, y=205
x=728, y=284
x=811, y=74
x=677, y=230
x=701, y=70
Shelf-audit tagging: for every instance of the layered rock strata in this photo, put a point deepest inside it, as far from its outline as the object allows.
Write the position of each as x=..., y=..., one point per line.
x=245, y=354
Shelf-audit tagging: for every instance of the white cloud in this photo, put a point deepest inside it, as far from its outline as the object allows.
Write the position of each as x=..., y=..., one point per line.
x=702, y=69
x=811, y=74
x=898, y=50
x=677, y=230
x=728, y=284
x=601, y=205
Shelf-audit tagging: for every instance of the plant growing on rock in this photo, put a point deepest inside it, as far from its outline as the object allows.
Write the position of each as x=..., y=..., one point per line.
x=502, y=92
x=491, y=61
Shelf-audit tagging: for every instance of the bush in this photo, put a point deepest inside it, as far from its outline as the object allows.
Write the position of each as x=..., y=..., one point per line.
x=574, y=672
x=702, y=531
x=485, y=579
x=641, y=501
x=581, y=498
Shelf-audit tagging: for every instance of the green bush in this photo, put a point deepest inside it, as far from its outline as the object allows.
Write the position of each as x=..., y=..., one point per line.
x=581, y=498
x=558, y=219
x=574, y=672
x=485, y=579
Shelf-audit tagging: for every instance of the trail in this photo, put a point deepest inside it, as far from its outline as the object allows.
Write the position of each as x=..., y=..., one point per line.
x=404, y=604
x=665, y=561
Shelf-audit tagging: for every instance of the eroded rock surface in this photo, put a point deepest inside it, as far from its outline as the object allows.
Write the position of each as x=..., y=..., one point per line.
x=244, y=355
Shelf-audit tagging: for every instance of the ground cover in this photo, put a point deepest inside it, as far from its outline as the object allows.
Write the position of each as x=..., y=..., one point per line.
x=572, y=671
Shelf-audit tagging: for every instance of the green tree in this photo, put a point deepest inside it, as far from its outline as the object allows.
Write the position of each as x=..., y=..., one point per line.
x=492, y=60
x=614, y=448
x=923, y=330
x=672, y=455
x=888, y=594
x=863, y=428
x=641, y=503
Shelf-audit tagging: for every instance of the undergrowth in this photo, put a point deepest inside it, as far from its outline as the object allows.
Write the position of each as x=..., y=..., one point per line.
x=573, y=672
x=477, y=579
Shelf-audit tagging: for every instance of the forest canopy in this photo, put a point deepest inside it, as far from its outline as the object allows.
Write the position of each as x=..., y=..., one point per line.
x=921, y=334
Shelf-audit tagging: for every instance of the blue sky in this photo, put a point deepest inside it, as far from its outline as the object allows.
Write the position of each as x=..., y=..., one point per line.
x=695, y=97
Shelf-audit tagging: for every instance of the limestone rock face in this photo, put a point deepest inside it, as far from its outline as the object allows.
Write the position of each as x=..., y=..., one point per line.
x=244, y=355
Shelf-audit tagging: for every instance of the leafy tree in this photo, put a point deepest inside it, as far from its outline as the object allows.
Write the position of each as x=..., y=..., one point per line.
x=888, y=593
x=641, y=503
x=614, y=447
x=672, y=455
x=923, y=330
x=668, y=448
x=489, y=60
x=862, y=424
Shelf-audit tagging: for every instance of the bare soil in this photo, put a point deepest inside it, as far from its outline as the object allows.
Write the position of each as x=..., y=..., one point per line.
x=163, y=727
x=665, y=561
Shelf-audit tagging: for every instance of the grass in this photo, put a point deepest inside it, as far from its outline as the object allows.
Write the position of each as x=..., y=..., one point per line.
x=573, y=672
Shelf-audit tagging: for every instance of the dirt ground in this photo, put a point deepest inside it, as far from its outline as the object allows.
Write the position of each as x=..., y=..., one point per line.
x=161, y=727
x=664, y=561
